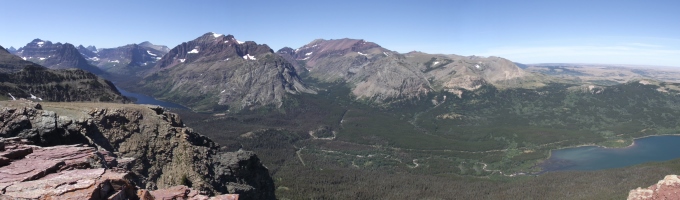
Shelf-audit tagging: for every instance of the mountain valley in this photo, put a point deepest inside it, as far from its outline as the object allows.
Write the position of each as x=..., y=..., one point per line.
x=350, y=119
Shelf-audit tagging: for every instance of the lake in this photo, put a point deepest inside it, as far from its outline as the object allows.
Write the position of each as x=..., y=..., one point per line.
x=649, y=149
x=143, y=99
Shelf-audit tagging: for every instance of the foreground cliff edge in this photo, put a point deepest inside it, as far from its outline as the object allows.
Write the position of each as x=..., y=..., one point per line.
x=134, y=146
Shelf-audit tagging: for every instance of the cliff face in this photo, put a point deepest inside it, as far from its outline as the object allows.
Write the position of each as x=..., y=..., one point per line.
x=154, y=145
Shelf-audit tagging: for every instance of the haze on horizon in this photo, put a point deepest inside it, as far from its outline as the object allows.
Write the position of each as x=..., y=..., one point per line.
x=604, y=32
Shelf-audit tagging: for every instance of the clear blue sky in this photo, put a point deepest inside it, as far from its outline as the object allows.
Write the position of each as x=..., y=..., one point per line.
x=593, y=31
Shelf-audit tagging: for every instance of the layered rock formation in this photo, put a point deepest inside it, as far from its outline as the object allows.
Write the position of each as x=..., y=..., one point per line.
x=215, y=72
x=667, y=188
x=56, y=56
x=152, y=144
x=24, y=79
x=73, y=172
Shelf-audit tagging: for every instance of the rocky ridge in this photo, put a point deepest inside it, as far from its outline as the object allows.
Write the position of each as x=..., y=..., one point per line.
x=217, y=72
x=153, y=145
x=56, y=56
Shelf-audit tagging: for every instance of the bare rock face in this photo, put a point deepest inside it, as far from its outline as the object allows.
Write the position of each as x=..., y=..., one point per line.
x=667, y=188
x=379, y=75
x=217, y=72
x=152, y=144
x=374, y=73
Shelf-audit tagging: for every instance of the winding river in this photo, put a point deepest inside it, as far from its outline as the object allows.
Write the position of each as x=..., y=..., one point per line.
x=648, y=149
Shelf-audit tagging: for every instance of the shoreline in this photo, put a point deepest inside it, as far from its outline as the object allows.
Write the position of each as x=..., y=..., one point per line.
x=594, y=145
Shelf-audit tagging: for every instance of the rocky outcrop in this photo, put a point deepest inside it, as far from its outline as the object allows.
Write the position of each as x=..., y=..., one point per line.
x=152, y=144
x=668, y=188
x=59, y=172
x=217, y=72
x=73, y=172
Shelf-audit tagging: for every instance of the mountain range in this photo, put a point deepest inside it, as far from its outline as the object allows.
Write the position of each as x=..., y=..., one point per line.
x=124, y=61
x=380, y=75
x=217, y=72
x=56, y=56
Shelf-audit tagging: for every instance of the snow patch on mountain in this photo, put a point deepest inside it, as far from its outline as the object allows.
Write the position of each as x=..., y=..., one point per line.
x=149, y=52
x=193, y=51
x=309, y=54
x=249, y=57
x=362, y=54
x=182, y=60
x=216, y=35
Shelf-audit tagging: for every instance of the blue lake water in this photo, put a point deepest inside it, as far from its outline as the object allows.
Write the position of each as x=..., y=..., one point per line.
x=649, y=149
x=143, y=99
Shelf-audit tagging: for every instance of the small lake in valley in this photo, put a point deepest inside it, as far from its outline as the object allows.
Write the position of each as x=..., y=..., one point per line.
x=648, y=149
x=144, y=99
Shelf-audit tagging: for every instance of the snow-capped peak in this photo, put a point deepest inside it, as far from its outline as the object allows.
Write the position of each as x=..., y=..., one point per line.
x=216, y=35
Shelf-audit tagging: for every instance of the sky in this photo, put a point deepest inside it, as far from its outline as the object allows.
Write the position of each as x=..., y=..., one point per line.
x=631, y=32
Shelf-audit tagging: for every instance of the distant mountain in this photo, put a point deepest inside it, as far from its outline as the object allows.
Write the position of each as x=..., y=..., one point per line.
x=24, y=79
x=55, y=56
x=218, y=72
x=12, y=50
x=87, y=52
x=379, y=75
x=161, y=48
x=125, y=61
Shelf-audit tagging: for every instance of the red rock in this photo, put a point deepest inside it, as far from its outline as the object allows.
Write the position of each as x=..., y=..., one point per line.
x=80, y=183
x=177, y=192
x=184, y=192
x=668, y=188
x=73, y=155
